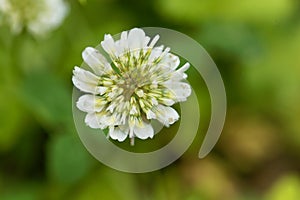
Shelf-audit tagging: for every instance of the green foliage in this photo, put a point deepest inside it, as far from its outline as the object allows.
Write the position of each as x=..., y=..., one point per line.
x=12, y=119
x=23, y=191
x=47, y=97
x=254, y=11
x=254, y=43
x=67, y=160
x=286, y=188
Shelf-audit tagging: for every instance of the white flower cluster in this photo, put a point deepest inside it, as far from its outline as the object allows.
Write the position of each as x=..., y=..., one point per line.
x=37, y=16
x=140, y=84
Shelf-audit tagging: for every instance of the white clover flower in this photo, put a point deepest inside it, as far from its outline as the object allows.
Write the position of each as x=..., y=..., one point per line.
x=37, y=16
x=141, y=84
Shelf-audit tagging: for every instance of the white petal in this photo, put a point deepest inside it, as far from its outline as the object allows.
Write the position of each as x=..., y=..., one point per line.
x=96, y=61
x=117, y=134
x=150, y=114
x=166, y=115
x=185, y=67
x=137, y=39
x=82, y=85
x=86, y=81
x=156, y=53
x=109, y=46
x=154, y=40
x=171, y=61
x=123, y=43
x=84, y=75
x=123, y=39
x=165, y=52
x=146, y=41
x=111, y=107
x=167, y=101
x=109, y=119
x=90, y=103
x=101, y=90
x=144, y=131
x=179, y=74
x=124, y=128
x=93, y=121
x=180, y=90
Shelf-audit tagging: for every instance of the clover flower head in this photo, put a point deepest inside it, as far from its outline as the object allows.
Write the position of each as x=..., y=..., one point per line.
x=140, y=84
x=37, y=16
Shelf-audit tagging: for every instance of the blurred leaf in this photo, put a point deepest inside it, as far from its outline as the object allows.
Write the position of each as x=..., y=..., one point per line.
x=82, y=2
x=255, y=139
x=5, y=36
x=48, y=98
x=12, y=119
x=286, y=188
x=108, y=184
x=232, y=39
x=29, y=54
x=168, y=186
x=210, y=178
x=275, y=77
x=21, y=191
x=234, y=10
x=68, y=161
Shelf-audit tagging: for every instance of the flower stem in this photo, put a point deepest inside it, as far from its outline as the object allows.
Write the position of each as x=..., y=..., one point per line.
x=132, y=141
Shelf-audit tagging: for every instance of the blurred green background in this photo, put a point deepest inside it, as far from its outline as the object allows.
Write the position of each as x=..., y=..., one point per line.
x=256, y=46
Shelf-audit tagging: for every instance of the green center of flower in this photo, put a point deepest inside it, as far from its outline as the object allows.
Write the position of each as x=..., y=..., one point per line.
x=129, y=86
x=134, y=90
